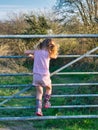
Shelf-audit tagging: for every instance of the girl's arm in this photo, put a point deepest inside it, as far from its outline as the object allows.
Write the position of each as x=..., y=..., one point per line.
x=29, y=53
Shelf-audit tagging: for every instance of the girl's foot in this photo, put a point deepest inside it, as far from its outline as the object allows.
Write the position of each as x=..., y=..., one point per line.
x=39, y=107
x=39, y=112
x=47, y=104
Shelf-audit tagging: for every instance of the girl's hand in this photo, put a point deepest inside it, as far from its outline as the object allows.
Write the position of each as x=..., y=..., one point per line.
x=31, y=56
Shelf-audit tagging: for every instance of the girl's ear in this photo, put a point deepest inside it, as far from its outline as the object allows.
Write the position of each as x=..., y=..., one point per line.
x=51, y=46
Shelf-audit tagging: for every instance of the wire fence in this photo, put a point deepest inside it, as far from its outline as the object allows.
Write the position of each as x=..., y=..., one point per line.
x=22, y=93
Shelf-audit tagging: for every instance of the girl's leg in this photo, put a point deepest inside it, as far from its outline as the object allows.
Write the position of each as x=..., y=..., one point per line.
x=48, y=90
x=47, y=97
x=39, y=94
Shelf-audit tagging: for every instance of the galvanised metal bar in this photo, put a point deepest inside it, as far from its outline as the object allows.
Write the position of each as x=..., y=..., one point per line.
x=14, y=57
x=53, y=107
x=59, y=56
x=76, y=95
x=49, y=36
x=16, y=85
x=76, y=73
x=16, y=107
x=48, y=117
x=71, y=56
x=16, y=74
x=16, y=94
x=60, y=73
x=74, y=61
x=4, y=97
x=59, y=96
x=75, y=84
x=75, y=106
x=64, y=84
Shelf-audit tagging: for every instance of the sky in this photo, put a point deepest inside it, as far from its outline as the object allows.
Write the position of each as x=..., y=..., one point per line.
x=15, y=6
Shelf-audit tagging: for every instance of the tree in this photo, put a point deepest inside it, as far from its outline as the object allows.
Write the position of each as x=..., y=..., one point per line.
x=36, y=25
x=87, y=10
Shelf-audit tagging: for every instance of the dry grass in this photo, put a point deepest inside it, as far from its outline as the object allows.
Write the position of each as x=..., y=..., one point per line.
x=20, y=125
x=4, y=50
x=9, y=65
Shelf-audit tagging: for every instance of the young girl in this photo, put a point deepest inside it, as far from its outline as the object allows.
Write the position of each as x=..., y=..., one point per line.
x=41, y=75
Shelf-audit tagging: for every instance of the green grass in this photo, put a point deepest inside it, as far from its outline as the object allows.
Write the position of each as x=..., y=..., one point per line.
x=60, y=124
x=69, y=124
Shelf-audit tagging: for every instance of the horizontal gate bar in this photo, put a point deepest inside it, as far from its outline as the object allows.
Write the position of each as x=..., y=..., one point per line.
x=66, y=95
x=75, y=84
x=16, y=74
x=74, y=61
x=16, y=85
x=4, y=97
x=60, y=56
x=49, y=36
x=71, y=73
x=47, y=117
x=30, y=85
x=76, y=95
x=60, y=73
x=13, y=56
x=70, y=56
x=67, y=106
x=75, y=106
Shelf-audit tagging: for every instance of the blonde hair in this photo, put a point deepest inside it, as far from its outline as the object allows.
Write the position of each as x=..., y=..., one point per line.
x=50, y=46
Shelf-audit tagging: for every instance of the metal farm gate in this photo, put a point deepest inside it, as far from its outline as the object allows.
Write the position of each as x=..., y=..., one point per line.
x=26, y=87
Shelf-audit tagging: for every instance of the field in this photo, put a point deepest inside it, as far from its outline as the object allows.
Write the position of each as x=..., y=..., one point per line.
x=58, y=124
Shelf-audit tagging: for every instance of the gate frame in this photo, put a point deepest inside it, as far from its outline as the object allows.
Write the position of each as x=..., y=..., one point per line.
x=78, y=57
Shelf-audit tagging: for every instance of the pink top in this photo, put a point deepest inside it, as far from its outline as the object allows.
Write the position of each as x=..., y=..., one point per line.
x=41, y=62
